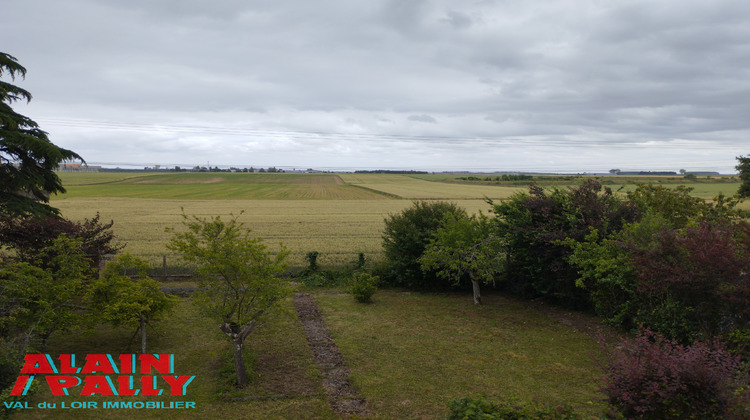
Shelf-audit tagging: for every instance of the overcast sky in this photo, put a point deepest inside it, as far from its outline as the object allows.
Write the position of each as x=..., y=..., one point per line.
x=567, y=85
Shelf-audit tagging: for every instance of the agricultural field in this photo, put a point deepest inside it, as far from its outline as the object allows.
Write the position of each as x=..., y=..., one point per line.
x=305, y=212
x=219, y=186
x=416, y=188
x=338, y=215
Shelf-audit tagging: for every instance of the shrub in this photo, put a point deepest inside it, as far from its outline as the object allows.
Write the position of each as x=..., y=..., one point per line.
x=703, y=271
x=317, y=278
x=482, y=409
x=363, y=287
x=405, y=238
x=312, y=259
x=535, y=227
x=650, y=377
x=27, y=236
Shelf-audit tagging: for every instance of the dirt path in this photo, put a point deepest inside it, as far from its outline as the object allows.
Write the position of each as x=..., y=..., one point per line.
x=344, y=399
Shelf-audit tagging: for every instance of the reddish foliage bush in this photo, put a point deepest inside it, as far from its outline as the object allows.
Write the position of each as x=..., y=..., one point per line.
x=650, y=377
x=705, y=268
x=27, y=236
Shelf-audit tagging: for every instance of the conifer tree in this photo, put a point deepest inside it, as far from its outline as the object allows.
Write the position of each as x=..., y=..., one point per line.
x=28, y=158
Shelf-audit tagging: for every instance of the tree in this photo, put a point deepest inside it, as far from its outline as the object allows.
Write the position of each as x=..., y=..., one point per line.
x=121, y=301
x=535, y=228
x=27, y=157
x=26, y=236
x=238, y=277
x=42, y=296
x=465, y=248
x=743, y=167
x=406, y=237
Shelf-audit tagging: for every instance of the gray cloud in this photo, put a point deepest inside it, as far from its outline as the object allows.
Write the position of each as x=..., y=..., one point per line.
x=550, y=81
x=422, y=118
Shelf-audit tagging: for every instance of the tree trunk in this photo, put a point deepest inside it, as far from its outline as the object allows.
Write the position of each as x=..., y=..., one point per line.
x=143, y=335
x=239, y=363
x=238, y=335
x=477, y=298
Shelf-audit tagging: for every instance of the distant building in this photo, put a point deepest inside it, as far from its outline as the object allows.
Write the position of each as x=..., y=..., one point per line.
x=78, y=167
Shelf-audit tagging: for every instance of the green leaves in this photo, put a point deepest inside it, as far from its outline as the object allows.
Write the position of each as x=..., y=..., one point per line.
x=46, y=295
x=743, y=167
x=464, y=248
x=237, y=273
x=120, y=300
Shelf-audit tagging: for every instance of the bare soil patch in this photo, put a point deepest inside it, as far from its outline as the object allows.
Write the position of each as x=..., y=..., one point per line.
x=342, y=397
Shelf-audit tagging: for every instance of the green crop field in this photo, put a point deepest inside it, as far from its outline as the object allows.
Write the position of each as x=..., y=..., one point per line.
x=219, y=186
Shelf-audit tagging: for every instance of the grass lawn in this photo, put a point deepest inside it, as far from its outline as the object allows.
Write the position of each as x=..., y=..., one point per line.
x=412, y=353
x=285, y=382
x=408, y=354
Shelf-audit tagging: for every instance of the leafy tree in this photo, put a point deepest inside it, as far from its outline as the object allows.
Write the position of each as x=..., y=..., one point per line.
x=45, y=295
x=118, y=300
x=238, y=277
x=465, y=249
x=606, y=272
x=743, y=167
x=676, y=205
x=26, y=236
x=405, y=239
x=535, y=226
x=27, y=157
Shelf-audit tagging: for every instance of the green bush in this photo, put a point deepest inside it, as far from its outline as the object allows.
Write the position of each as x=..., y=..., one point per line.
x=318, y=279
x=482, y=409
x=405, y=239
x=363, y=287
x=536, y=228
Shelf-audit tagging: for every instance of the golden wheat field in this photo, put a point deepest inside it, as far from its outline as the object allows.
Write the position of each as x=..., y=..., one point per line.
x=338, y=215
x=303, y=220
x=404, y=186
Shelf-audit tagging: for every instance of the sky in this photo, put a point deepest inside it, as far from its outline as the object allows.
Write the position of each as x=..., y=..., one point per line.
x=554, y=86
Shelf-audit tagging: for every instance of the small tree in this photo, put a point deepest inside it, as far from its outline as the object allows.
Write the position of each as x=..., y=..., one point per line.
x=238, y=277
x=43, y=296
x=406, y=237
x=464, y=248
x=121, y=301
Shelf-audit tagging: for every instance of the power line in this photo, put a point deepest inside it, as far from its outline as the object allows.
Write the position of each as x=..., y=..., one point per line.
x=375, y=137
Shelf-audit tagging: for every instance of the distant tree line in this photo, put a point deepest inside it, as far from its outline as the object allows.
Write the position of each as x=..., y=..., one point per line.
x=498, y=178
x=387, y=171
x=251, y=169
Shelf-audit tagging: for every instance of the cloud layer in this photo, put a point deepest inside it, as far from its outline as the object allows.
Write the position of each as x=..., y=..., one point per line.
x=478, y=85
